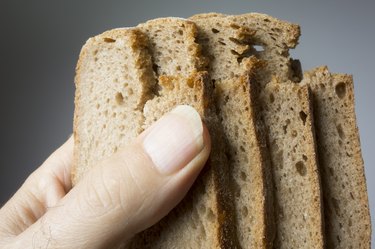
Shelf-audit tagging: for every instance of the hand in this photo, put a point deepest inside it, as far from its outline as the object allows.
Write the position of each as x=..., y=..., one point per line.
x=117, y=198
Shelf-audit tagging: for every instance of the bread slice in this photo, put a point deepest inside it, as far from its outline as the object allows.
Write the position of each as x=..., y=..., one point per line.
x=195, y=222
x=114, y=79
x=176, y=54
x=347, y=217
x=249, y=162
x=288, y=117
x=246, y=146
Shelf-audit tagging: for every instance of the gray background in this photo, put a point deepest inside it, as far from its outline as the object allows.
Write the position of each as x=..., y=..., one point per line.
x=40, y=41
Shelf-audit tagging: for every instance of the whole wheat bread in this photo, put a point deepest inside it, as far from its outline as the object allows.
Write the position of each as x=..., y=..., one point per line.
x=275, y=37
x=347, y=217
x=175, y=52
x=114, y=79
x=288, y=115
x=271, y=41
x=127, y=78
x=246, y=148
x=116, y=89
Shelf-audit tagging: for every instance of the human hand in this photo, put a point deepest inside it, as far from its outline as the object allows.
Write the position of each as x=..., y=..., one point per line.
x=121, y=196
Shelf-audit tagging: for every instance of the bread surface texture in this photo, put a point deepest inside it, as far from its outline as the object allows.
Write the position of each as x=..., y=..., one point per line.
x=285, y=169
x=114, y=78
x=232, y=66
x=297, y=190
x=125, y=82
x=175, y=52
x=271, y=41
x=193, y=223
x=173, y=46
x=250, y=167
x=232, y=41
x=347, y=215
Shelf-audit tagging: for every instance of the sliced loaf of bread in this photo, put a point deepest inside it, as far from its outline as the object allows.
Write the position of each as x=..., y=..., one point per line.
x=347, y=217
x=114, y=82
x=114, y=79
x=288, y=116
x=246, y=147
x=275, y=38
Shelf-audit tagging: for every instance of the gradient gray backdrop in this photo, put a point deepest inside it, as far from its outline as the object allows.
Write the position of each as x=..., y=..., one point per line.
x=40, y=41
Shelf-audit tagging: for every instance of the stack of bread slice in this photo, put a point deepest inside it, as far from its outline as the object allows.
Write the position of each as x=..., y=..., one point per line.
x=285, y=169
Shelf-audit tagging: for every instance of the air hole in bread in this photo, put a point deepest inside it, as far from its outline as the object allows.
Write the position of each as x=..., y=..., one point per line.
x=234, y=26
x=226, y=99
x=294, y=133
x=244, y=211
x=340, y=90
x=285, y=128
x=303, y=116
x=336, y=206
x=236, y=41
x=222, y=43
x=215, y=31
x=301, y=168
x=272, y=98
x=340, y=143
x=155, y=67
x=340, y=131
x=304, y=157
x=259, y=48
x=109, y=40
x=119, y=98
x=234, y=52
x=243, y=176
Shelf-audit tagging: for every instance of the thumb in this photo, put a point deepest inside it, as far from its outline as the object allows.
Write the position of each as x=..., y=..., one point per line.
x=130, y=191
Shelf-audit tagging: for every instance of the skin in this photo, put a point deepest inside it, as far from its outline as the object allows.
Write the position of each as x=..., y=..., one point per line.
x=118, y=198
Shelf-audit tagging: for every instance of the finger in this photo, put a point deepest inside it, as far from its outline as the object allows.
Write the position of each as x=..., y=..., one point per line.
x=42, y=189
x=130, y=191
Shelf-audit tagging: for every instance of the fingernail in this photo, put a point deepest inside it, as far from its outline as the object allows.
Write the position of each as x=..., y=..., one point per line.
x=175, y=140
